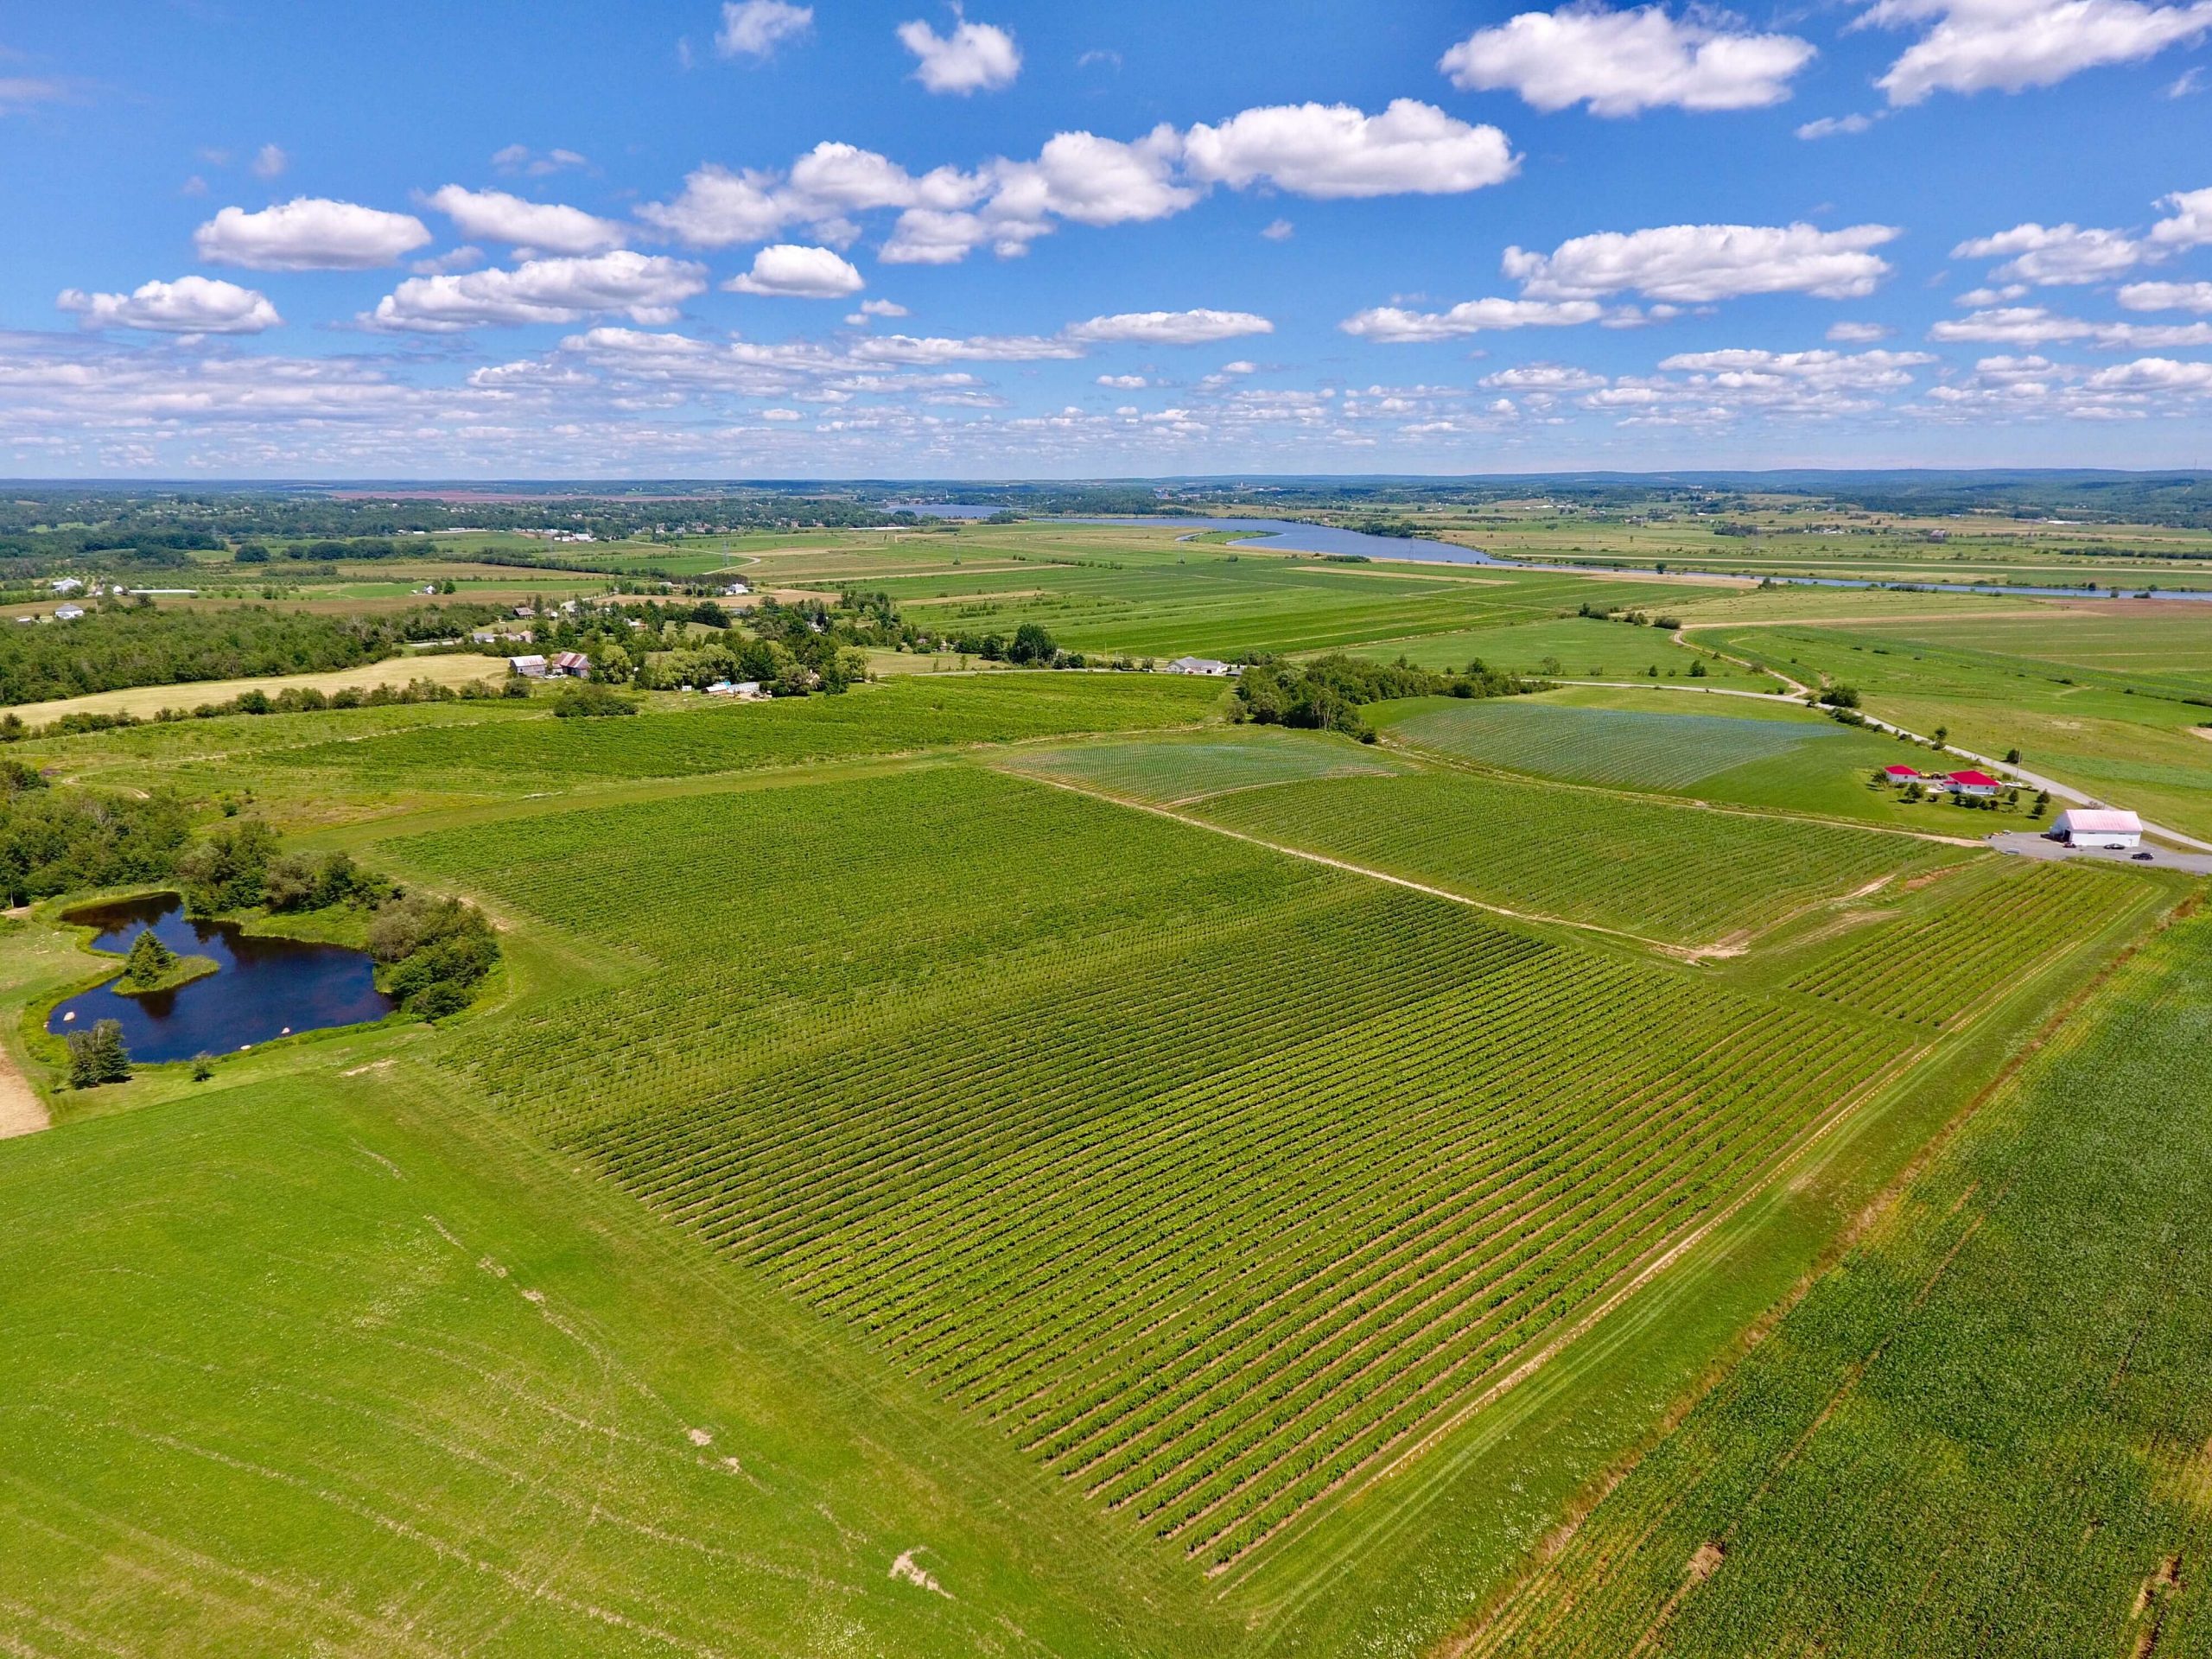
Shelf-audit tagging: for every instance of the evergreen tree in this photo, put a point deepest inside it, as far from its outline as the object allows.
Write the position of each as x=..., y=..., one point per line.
x=148, y=959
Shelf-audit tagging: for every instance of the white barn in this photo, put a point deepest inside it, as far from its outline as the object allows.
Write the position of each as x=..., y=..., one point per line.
x=1206, y=665
x=2088, y=826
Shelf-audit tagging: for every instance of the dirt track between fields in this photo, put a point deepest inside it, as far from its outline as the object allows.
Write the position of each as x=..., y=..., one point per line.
x=21, y=1112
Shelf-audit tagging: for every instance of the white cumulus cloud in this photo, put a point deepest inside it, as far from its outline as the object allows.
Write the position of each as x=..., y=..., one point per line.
x=1124, y=382
x=2167, y=296
x=1621, y=62
x=1693, y=264
x=549, y=228
x=2055, y=254
x=647, y=287
x=1972, y=46
x=2191, y=224
x=799, y=272
x=754, y=28
x=1334, y=150
x=310, y=233
x=975, y=57
x=190, y=305
x=1395, y=324
x=1858, y=334
x=1171, y=327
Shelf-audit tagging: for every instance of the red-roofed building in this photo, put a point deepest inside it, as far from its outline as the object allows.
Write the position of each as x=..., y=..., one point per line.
x=1972, y=783
x=1900, y=774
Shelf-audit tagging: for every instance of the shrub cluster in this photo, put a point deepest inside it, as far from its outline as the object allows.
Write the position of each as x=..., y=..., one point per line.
x=97, y=1056
x=435, y=952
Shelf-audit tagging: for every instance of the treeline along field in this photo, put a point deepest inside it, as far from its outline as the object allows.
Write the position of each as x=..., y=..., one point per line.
x=1214, y=1178
x=1989, y=1431
x=104, y=650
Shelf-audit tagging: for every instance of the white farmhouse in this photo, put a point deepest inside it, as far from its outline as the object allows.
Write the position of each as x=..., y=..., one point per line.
x=1205, y=665
x=2097, y=826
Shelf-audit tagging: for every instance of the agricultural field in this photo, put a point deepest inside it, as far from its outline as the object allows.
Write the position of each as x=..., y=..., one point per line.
x=1179, y=771
x=1629, y=748
x=1370, y=1090
x=1775, y=755
x=919, y=711
x=1024, y=1163
x=1985, y=1432
x=1965, y=947
x=1574, y=648
x=2087, y=714
x=1681, y=874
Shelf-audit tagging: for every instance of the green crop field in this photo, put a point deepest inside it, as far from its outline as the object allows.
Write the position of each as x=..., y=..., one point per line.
x=1679, y=873
x=1640, y=750
x=1027, y=1163
x=1965, y=947
x=1987, y=1431
x=1404, y=1217
x=1181, y=770
x=902, y=714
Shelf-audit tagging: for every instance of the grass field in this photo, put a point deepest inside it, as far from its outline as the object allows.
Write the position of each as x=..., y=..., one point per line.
x=328, y=1363
x=1983, y=1433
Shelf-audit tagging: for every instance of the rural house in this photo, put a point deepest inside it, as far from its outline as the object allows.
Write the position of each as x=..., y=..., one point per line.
x=1900, y=774
x=532, y=667
x=1977, y=785
x=1205, y=665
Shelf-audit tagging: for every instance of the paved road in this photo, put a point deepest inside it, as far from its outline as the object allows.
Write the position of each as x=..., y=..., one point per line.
x=2027, y=844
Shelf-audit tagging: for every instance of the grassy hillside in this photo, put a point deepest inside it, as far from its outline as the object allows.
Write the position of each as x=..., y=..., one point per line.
x=326, y=1363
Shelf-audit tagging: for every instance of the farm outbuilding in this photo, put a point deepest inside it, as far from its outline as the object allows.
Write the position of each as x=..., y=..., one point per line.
x=1976, y=784
x=1901, y=774
x=1205, y=665
x=2097, y=826
x=572, y=665
x=532, y=667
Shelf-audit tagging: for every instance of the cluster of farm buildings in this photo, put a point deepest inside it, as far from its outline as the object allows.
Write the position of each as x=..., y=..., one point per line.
x=1975, y=785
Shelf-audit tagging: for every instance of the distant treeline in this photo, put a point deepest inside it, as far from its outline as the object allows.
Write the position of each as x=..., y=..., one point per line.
x=107, y=649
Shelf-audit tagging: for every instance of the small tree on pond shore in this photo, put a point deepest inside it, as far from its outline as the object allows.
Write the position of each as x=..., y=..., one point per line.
x=97, y=1056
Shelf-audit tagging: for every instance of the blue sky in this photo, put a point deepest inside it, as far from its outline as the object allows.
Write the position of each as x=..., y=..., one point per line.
x=855, y=239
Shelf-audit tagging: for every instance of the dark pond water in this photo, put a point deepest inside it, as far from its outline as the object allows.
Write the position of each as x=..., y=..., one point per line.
x=266, y=986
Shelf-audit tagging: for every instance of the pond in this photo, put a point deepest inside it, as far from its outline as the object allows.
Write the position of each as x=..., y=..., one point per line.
x=264, y=987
